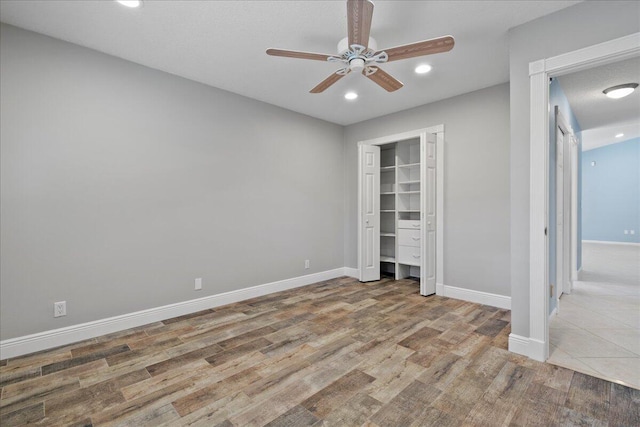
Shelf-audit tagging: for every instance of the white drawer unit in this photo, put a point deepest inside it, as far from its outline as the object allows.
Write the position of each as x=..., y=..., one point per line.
x=409, y=255
x=408, y=237
x=409, y=223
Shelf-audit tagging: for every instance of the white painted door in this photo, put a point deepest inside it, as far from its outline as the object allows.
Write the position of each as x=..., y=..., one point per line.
x=429, y=209
x=559, y=210
x=369, y=209
x=574, y=213
x=566, y=219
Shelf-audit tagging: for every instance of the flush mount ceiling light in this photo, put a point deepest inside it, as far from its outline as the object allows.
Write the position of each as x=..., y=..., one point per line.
x=620, y=91
x=619, y=135
x=130, y=3
x=423, y=69
x=350, y=96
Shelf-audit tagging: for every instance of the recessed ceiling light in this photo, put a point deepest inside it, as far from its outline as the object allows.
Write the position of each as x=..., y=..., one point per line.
x=619, y=135
x=130, y=3
x=423, y=69
x=350, y=96
x=620, y=91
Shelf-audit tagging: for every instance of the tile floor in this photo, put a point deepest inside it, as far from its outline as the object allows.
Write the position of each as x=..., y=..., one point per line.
x=597, y=329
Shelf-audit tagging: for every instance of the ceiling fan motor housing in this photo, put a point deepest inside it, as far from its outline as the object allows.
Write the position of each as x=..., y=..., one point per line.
x=355, y=56
x=343, y=45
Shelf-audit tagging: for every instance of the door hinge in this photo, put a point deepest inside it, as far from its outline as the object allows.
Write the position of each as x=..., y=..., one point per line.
x=550, y=289
x=545, y=231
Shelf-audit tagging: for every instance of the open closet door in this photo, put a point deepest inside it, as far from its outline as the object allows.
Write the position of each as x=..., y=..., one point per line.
x=429, y=209
x=369, y=218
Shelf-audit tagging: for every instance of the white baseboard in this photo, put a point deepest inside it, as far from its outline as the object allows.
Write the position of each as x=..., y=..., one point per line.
x=519, y=344
x=478, y=297
x=529, y=347
x=351, y=272
x=19, y=346
x=537, y=350
x=603, y=242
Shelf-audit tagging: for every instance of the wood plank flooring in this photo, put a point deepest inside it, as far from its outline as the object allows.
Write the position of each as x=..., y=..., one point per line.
x=335, y=353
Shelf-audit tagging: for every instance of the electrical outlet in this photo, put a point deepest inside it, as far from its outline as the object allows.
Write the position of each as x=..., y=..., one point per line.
x=306, y=264
x=632, y=232
x=198, y=283
x=59, y=308
x=626, y=231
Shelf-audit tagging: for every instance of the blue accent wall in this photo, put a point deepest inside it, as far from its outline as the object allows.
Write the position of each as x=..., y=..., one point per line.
x=611, y=192
x=558, y=98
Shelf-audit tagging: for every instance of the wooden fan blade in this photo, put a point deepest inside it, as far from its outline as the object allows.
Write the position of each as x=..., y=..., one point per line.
x=384, y=80
x=326, y=83
x=427, y=47
x=359, y=15
x=300, y=55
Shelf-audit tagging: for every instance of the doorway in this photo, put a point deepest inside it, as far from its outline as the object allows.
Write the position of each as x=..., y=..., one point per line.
x=595, y=329
x=539, y=289
x=413, y=197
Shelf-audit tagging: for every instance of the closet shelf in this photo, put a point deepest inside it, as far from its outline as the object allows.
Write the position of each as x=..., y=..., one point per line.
x=411, y=264
x=409, y=182
x=388, y=234
x=409, y=165
x=387, y=259
x=408, y=192
x=408, y=210
x=387, y=210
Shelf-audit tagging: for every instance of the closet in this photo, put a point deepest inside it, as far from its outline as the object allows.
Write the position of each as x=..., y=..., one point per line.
x=397, y=209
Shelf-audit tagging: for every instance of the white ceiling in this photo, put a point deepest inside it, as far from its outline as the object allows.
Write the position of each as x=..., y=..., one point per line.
x=223, y=43
x=601, y=118
x=606, y=135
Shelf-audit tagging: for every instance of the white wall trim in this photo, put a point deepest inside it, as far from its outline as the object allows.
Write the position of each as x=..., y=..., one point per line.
x=539, y=73
x=470, y=295
x=19, y=346
x=538, y=350
x=519, y=344
x=351, y=272
x=604, y=242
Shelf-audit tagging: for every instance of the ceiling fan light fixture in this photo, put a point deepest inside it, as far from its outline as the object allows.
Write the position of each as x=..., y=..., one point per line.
x=350, y=96
x=619, y=135
x=356, y=64
x=620, y=91
x=130, y=3
x=423, y=69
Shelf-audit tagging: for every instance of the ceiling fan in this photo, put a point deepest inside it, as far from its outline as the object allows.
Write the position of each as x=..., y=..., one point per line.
x=358, y=52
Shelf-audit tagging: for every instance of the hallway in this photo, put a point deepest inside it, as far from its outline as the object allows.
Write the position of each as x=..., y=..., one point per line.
x=597, y=329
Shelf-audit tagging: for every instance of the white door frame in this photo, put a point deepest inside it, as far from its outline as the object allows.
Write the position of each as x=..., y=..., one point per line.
x=564, y=199
x=559, y=213
x=438, y=130
x=537, y=346
x=574, y=211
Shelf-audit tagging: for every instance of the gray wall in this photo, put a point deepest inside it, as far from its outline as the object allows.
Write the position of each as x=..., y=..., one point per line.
x=476, y=184
x=121, y=184
x=579, y=26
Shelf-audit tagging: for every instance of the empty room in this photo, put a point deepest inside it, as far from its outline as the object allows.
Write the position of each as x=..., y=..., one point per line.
x=322, y=213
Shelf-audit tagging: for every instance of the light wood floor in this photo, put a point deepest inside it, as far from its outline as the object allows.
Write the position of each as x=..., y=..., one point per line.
x=337, y=353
